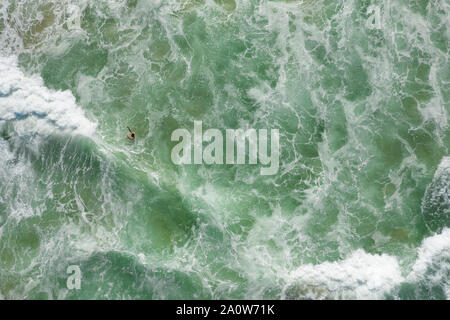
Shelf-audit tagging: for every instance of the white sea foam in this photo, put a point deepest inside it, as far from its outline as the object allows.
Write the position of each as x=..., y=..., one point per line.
x=443, y=166
x=361, y=276
x=15, y=180
x=368, y=276
x=35, y=108
x=433, y=262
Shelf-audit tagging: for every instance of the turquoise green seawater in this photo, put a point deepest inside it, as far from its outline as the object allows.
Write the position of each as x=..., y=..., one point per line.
x=359, y=91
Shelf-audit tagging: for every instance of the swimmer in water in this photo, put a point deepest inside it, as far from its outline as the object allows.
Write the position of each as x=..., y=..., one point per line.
x=132, y=136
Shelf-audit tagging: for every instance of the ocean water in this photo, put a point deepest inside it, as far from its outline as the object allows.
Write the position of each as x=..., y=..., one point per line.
x=358, y=89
